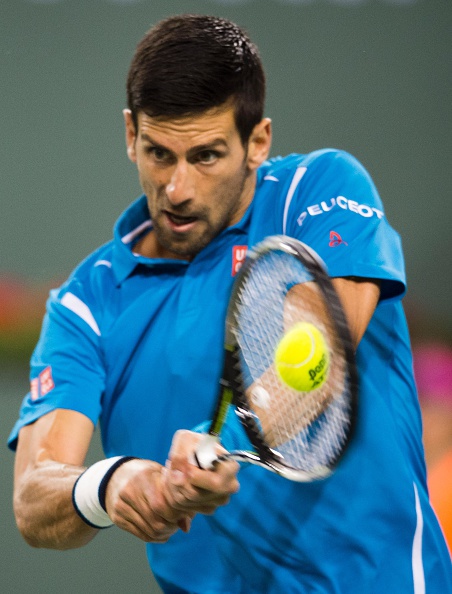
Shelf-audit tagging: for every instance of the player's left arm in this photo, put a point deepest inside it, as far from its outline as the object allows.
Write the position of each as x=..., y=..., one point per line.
x=359, y=298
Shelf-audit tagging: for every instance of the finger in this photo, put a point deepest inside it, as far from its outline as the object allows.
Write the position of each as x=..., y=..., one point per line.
x=221, y=479
x=183, y=496
x=143, y=521
x=185, y=524
x=154, y=531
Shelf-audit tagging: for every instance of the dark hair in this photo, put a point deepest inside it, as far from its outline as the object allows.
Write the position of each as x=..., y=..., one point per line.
x=188, y=64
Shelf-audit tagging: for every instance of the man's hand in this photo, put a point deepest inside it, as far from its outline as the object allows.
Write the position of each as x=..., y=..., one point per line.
x=136, y=501
x=153, y=502
x=190, y=489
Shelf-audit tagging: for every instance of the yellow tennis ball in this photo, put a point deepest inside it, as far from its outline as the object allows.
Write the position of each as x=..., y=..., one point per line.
x=302, y=357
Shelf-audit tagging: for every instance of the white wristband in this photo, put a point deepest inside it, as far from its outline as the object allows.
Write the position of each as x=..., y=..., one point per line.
x=88, y=494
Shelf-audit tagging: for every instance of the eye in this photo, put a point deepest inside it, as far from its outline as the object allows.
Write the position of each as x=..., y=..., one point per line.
x=159, y=154
x=207, y=156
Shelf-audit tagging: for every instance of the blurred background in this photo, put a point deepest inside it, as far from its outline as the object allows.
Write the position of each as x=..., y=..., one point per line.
x=369, y=76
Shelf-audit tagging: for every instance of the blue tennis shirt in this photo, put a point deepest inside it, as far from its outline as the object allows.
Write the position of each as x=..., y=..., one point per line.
x=136, y=344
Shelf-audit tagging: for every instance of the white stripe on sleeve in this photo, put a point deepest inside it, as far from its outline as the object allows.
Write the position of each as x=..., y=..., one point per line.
x=76, y=305
x=300, y=171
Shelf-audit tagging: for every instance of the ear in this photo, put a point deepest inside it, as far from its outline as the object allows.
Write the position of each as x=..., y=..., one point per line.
x=259, y=143
x=131, y=135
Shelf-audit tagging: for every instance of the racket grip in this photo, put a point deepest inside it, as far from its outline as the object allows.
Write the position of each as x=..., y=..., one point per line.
x=205, y=453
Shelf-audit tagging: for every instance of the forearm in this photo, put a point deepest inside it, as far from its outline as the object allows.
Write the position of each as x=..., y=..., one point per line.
x=129, y=492
x=44, y=511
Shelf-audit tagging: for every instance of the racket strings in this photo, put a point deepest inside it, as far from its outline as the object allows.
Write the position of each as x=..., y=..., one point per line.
x=307, y=429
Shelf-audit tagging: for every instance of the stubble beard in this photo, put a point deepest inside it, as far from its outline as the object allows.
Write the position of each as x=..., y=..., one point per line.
x=188, y=247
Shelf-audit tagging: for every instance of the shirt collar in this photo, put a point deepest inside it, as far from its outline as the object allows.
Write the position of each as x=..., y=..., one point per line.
x=132, y=223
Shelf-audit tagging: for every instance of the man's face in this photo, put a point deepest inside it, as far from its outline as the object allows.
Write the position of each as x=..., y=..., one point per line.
x=197, y=176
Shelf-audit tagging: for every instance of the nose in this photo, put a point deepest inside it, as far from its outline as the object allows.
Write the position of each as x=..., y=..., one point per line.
x=181, y=185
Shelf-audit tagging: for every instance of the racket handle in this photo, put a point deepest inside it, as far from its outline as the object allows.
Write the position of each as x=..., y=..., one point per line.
x=205, y=454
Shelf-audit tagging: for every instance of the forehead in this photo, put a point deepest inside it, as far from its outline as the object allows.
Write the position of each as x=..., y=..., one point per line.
x=183, y=132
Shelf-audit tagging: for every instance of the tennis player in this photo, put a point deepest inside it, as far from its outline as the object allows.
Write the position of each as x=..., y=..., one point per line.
x=134, y=339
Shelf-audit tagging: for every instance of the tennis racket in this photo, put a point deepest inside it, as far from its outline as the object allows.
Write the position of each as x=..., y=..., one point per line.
x=299, y=435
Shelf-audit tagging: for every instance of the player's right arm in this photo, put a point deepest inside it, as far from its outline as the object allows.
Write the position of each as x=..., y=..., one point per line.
x=49, y=459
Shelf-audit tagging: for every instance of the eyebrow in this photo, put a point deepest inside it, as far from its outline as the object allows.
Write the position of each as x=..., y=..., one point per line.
x=215, y=143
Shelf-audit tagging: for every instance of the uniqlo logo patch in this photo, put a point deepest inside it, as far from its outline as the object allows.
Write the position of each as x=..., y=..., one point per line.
x=45, y=381
x=238, y=257
x=34, y=388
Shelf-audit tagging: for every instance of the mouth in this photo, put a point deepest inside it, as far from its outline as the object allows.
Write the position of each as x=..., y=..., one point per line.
x=179, y=223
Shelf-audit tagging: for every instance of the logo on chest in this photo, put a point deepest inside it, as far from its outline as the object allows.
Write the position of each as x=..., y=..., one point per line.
x=238, y=257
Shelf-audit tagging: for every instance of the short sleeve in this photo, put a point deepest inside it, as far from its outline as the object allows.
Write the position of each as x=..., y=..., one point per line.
x=336, y=210
x=67, y=369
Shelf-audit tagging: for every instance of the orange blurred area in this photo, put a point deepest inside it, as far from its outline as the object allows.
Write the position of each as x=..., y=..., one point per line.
x=432, y=360
x=22, y=306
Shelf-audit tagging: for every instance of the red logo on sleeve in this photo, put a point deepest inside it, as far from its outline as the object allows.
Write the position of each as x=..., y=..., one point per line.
x=238, y=257
x=336, y=239
x=46, y=381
